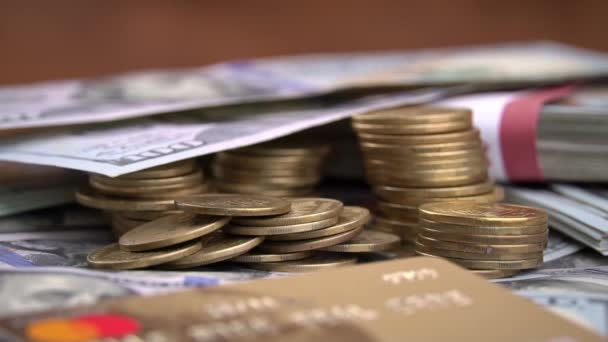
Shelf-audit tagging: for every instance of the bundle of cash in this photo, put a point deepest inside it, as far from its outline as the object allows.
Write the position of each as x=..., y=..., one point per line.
x=555, y=134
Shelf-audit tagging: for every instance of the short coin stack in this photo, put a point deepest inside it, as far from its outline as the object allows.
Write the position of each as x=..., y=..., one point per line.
x=316, y=233
x=136, y=198
x=496, y=240
x=417, y=155
x=201, y=234
x=283, y=169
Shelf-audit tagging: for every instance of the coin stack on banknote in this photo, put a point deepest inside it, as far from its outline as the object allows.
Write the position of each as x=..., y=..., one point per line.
x=262, y=232
x=283, y=169
x=136, y=198
x=417, y=155
x=496, y=240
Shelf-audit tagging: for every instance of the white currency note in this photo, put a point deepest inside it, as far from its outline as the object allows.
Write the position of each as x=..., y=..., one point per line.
x=154, y=92
x=124, y=147
x=579, y=294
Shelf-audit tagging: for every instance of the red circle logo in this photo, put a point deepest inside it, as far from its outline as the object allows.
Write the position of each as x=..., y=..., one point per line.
x=81, y=328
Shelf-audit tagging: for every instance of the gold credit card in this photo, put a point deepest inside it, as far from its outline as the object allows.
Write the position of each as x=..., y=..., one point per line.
x=416, y=299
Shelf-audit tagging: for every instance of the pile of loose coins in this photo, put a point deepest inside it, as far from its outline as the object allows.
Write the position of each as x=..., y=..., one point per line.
x=417, y=155
x=136, y=198
x=279, y=168
x=496, y=240
x=261, y=232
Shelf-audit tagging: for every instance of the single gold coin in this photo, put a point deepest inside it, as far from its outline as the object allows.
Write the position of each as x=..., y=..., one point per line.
x=367, y=241
x=279, y=230
x=350, y=218
x=417, y=157
x=317, y=262
x=174, y=194
x=495, y=274
x=216, y=247
x=233, y=205
x=408, y=150
x=189, y=178
x=270, y=167
x=476, y=248
x=419, y=139
x=112, y=257
x=267, y=161
x=497, y=195
x=485, y=215
x=141, y=191
x=481, y=230
x=414, y=114
x=168, y=170
x=414, y=128
x=396, y=194
x=271, y=181
x=407, y=231
x=170, y=230
x=491, y=264
x=89, y=198
x=425, y=168
x=147, y=215
x=285, y=148
x=397, y=212
x=519, y=239
x=125, y=223
x=476, y=256
x=433, y=182
x=261, y=257
x=303, y=210
x=414, y=174
x=308, y=245
x=232, y=172
x=254, y=189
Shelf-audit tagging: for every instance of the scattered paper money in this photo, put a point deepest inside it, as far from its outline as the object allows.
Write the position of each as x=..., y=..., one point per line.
x=116, y=149
x=154, y=92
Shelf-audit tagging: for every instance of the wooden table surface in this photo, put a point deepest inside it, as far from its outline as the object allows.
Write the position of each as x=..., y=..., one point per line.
x=64, y=39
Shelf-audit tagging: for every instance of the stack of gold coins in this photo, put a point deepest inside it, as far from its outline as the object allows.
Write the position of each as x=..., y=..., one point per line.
x=201, y=234
x=417, y=155
x=139, y=197
x=496, y=240
x=282, y=168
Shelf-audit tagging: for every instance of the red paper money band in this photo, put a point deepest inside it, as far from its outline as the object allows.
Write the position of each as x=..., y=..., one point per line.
x=518, y=133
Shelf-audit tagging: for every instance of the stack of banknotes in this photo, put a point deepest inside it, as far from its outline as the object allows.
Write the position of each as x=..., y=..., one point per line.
x=541, y=109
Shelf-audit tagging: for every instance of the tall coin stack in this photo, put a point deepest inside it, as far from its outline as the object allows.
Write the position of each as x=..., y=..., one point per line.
x=278, y=168
x=417, y=155
x=495, y=240
x=133, y=199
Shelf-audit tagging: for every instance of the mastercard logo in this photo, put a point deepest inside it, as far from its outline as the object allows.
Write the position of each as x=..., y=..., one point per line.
x=81, y=328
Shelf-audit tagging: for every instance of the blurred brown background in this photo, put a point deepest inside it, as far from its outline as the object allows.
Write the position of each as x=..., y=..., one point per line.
x=65, y=39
